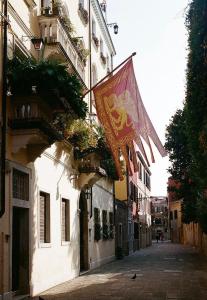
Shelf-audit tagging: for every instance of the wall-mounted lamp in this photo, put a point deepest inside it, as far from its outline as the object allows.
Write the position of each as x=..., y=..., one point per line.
x=36, y=41
x=115, y=26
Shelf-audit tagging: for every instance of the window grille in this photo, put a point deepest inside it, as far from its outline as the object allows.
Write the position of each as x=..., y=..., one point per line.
x=20, y=185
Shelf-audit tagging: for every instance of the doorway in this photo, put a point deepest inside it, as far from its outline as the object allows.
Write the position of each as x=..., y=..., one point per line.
x=20, y=250
x=83, y=233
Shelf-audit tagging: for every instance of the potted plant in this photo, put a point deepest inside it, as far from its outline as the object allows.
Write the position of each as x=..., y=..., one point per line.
x=57, y=7
x=96, y=40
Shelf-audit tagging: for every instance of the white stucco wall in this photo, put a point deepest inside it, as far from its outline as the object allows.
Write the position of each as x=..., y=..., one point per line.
x=102, y=251
x=57, y=261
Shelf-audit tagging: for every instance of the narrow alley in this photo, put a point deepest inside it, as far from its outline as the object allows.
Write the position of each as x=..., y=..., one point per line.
x=163, y=271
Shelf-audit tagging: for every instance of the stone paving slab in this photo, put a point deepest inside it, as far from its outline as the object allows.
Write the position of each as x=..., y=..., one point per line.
x=164, y=271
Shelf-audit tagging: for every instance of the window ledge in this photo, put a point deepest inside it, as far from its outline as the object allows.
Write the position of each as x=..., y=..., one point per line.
x=65, y=243
x=45, y=245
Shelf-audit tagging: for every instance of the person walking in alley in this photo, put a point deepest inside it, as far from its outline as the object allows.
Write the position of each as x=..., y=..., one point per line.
x=157, y=237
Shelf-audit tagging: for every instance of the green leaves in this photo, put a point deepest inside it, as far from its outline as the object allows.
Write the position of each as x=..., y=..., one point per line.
x=49, y=78
x=186, y=137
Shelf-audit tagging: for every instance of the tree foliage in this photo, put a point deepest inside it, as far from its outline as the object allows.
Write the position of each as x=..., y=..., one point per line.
x=186, y=137
x=181, y=163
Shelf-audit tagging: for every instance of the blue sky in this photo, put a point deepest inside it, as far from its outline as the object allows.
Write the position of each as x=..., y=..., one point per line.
x=155, y=30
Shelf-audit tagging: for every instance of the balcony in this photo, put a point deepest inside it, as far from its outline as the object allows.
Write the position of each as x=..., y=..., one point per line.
x=32, y=129
x=90, y=170
x=59, y=44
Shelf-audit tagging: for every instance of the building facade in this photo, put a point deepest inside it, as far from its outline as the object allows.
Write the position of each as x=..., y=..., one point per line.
x=160, y=217
x=54, y=201
x=132, y=208
x=175, y=212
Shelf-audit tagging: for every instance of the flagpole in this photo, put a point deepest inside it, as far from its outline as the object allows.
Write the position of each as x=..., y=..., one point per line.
x=133, y=54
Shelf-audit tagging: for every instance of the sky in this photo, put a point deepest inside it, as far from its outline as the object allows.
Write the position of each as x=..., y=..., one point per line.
x=155, y=30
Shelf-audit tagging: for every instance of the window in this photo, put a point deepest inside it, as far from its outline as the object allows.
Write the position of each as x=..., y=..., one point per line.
x=97, y=225
x=111, y=226
x=65, y=224
x=105, y=225
x=158, y=221
x=175, y=214
x=132, y=190
x=171, y=215
x=44, y=218
x=140, y=171
x=101, y=46
x=93, y=28
x=81, y=2
x=20, y=185
x=89, y=197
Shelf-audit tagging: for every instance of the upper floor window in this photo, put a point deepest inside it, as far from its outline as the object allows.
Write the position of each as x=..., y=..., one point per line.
x=93, y=27
x=101, y=46
x=83, y=12
x=81, y=2
x=140, y=171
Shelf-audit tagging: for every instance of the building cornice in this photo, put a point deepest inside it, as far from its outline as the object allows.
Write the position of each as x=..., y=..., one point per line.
x=103, y=26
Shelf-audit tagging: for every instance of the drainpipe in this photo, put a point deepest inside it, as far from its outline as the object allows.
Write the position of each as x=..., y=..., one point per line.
x=90, y=60
x=3, y=112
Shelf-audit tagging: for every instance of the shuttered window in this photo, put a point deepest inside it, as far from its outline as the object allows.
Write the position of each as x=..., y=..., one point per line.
x=44, y=218
x=65, y=226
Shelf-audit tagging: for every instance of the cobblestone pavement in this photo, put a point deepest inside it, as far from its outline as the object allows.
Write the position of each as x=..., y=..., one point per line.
x=163, y=271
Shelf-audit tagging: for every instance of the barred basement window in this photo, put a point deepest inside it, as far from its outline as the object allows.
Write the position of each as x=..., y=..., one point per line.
x=111, y=225
x=65, y=226
x=97, y=225
x=105, y=225
x=44, y=218
x=20, y=185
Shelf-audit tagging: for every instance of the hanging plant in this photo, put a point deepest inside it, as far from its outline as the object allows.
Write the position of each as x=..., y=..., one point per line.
x=81, y=134
x=51, y=81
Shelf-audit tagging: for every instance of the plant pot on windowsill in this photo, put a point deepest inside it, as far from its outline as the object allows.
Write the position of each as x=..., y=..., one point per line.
x=96, y=41
x=83, y=13
x=57, y=9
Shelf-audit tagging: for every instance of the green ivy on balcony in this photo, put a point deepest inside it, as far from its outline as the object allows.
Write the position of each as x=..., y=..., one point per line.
x=48, y=79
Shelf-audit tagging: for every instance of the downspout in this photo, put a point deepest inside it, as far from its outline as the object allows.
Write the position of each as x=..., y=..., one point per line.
x=3, y=112
x=90, y=60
